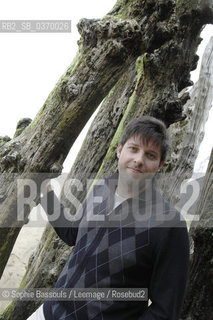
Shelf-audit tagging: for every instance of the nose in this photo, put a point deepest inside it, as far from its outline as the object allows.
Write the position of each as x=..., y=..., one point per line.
x=139, y=158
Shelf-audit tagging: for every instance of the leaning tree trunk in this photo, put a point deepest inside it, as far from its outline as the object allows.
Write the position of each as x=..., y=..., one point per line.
x=165, y=36
x=106, y=48
x=46, y=263
x=198, y=302
x=188, y=134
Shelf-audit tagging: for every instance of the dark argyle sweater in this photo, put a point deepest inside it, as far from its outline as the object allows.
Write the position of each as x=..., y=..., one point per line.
x=144, y=245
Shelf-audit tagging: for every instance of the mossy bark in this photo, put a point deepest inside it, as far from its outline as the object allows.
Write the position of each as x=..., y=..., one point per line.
x=188, y=133
x=141, y=53
x=198, y=302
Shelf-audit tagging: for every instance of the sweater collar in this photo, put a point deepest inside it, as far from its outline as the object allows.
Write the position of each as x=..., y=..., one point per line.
x=146, y=195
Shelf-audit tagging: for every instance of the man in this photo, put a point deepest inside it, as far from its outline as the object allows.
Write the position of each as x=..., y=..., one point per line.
x=134, y=239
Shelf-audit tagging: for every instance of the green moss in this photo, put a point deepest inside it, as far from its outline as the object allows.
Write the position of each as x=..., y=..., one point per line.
x=21, y=126
x=23, y=282
x=146, y=59
x=183, y=123
x=48, y=241
x=6, y=313
x=18, y=132
x=139, y=68
x=122, y=8
x=4, y=140
x=70, y=114
x=140, y=63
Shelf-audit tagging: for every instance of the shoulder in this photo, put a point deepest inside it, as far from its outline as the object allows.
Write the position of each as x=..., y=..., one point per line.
x=168, y=227
x=165, y=215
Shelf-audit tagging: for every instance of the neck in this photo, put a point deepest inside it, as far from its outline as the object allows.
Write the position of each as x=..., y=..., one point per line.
x=132, y=189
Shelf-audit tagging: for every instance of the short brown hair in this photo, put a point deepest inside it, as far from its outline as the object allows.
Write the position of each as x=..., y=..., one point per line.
x=148, y=128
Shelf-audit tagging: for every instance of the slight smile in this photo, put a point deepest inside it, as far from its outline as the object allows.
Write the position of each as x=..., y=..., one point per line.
x=135, y=170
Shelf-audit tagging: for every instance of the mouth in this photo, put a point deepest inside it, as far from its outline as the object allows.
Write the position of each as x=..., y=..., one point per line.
x=135, y=170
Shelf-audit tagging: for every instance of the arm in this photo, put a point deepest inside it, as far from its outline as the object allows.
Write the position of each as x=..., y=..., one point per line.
x=169, y=273
x=67, y=230
x=65, y=224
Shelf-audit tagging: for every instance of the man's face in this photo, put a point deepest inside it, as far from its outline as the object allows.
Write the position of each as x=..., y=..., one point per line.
x=138, y=160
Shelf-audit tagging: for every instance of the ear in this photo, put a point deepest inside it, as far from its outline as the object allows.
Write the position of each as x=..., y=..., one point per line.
x=119, y=150
x=161, y=164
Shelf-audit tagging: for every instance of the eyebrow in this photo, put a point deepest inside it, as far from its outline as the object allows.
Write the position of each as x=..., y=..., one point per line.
x=137, y=145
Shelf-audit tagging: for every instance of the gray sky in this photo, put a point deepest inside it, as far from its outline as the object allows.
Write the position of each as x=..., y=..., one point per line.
x=32, y=63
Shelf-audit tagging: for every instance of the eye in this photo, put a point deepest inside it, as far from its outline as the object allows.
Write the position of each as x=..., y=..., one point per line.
x=132, y=148
x=151, y=156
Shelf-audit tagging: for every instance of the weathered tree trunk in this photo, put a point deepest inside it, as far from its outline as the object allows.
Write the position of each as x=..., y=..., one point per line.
x=198, y=302
x=46, y=263
x=106, y=49
x=188, y=134
x=164, y=35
